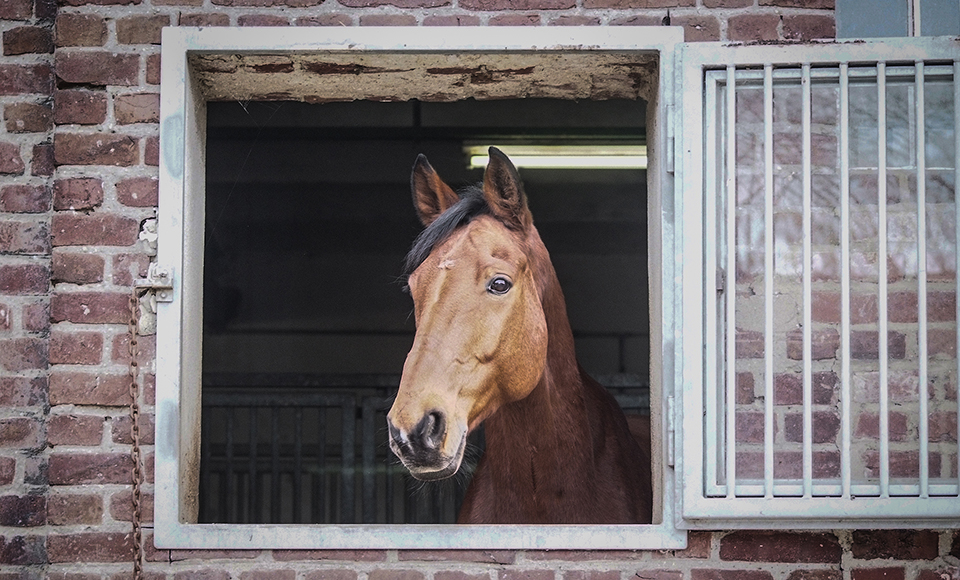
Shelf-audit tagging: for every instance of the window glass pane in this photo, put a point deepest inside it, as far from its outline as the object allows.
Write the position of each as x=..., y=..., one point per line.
x=872, y=18
x=939, y=17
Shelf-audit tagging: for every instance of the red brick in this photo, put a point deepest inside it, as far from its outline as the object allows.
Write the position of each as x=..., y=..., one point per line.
x=750, y=427
x=328, y=20
x=42, y=164
x=452, y=575
x=24, y=279
x=942, y=426
x=17, y=237
x=452, y=20
x=80, y=348
x=90, y=307
x=65, y=510
x=22, y=391
x=77, y=268
x=697, y=27
x=262, y=20
x=789, y=547
x=121, y=507
x=824, y=344
x=151, y=151
x=127, y=267
x=699, y=545
x=27, y=40
x=808, y=4
x=826, y=427
x=96, y=149
x=21, y=354
x=397, y=3
x=877, y=574
x=141, y=29
x=902, y=463
x=268, y=575
x=5, y=317
x=36, y=317
x=868, y=426
x=75, y=430
x=632, y=4
x=705, y=574
x=808, y=27
x=215, y=19
x=895, y=544
x=753, y=27
x=727, y=3
x=79, y=388
x=16, y=10
x=80, y=107
x=749, y=343
x=77, y=193
x=20, y=433
x=815, y=575
x=153, y=69
x=89, y=468
x=8, y=470
x=26, y=79
x=388, y=20
x=98, y=68
x=137, y=108
x=120, y=432
x=11, y=163
x=215, y=574
x=902, y=386
x=865, y=345
x=522, y=575
x=517, y=4
x=25, y=198
x=22, y=550
x=138, y=192
x=90, y=547
x=80, y=30
x=955, y=546
x=27, y=118
x=638, y=20
x=23, y=510
x=94, y=230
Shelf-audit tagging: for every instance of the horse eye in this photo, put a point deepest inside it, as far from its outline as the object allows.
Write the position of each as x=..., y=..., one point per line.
x=499, y=285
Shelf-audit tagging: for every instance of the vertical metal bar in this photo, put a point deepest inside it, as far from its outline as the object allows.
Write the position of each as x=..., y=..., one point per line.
x=275, y=516
x=807, y=289
x=369, y=464
x=231, y=484
x=956, y=217
x=882, y=277
x=731, y=201
x=922, y=280
x=348, y=436
x=298, y=466
x=768, y=274
x=206, y=471
x=711, y=184
x=253, y=501
x=845, y=375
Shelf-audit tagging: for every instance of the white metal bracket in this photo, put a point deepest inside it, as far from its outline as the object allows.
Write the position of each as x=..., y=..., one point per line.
x=160, y=280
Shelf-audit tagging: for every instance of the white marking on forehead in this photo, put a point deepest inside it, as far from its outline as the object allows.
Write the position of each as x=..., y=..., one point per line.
x=446, y=264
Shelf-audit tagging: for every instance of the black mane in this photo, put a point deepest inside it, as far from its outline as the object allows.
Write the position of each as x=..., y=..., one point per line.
x=471, y=204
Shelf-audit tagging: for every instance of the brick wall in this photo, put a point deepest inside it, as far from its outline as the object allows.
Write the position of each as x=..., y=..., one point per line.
x=79, y=85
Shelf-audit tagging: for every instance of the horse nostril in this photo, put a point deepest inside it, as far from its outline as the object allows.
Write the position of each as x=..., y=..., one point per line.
x=431, y=429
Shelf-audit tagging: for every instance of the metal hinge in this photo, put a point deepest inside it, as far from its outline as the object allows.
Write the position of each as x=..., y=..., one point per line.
x=160, y=280
x=671, y=432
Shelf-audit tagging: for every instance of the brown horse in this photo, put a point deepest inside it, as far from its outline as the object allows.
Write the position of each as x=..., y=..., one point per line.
x=494, y=345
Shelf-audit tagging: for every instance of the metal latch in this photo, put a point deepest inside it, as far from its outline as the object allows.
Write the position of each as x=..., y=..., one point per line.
x=160, y=280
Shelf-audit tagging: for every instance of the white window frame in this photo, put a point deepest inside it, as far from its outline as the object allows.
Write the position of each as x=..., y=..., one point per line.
x=701, y=314
x=179, y=255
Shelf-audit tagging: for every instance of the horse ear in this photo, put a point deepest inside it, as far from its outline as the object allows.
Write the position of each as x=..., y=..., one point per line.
x=431, y=196
x=503, y=191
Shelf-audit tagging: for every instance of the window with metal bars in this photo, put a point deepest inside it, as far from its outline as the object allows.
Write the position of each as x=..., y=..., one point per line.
x=830, y=287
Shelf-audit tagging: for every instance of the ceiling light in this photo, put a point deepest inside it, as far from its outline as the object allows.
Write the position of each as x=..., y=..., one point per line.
x=564, y=156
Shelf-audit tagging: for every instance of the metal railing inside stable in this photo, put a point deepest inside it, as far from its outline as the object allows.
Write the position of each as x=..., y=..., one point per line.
x=313, y=449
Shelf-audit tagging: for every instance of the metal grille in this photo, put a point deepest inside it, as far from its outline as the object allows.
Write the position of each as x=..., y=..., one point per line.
x=313, y=449
x=831, y=267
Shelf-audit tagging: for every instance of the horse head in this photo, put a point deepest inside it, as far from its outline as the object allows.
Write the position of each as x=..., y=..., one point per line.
x=481, y=339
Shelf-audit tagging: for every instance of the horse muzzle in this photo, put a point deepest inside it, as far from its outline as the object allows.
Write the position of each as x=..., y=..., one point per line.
x=421, y=449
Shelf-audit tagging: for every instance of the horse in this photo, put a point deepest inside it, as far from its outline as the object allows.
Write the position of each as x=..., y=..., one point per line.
x=493, y=345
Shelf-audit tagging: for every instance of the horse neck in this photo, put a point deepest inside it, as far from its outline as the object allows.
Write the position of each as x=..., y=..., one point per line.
x=551, y=421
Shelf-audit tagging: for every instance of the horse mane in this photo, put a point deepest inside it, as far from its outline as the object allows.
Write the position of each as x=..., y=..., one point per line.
x=471, y=204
